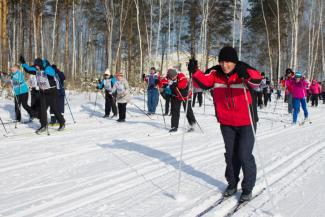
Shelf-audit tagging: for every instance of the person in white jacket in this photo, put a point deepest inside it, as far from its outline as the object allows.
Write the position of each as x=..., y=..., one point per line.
x=122, y=90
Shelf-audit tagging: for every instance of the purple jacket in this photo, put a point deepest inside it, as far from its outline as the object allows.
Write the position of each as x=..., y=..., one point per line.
x=298, y=88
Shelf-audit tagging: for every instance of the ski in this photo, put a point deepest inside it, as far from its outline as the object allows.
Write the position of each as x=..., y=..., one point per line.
x=234, y=209
x=212, y=206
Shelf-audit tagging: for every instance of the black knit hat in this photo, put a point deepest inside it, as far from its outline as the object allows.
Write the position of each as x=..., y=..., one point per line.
x=228, y=54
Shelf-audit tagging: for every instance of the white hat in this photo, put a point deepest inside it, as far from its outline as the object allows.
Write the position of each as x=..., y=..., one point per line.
x=107, y=72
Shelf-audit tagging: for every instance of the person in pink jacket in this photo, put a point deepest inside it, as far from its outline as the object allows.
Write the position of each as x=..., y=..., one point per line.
x=315, y=91
x=299, y=87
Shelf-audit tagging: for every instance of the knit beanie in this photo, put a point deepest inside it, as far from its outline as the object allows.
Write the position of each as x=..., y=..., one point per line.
x=228, y=54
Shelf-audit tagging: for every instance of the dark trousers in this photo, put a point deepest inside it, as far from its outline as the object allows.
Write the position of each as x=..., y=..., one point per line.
x=121, y=110
x=314, y=100
x=239, y=143
x=167, y=103
x=259, y=98
x=323, y=95
x=176, y=109
x=110, y=104
x=199, y=97
x=265, y=96
x=35, y=102
x=60, y=107
x=22, y=99
x=48, y=98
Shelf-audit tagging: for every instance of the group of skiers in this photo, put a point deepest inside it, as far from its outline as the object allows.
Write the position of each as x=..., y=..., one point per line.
x=237, y=90
x=46, y=84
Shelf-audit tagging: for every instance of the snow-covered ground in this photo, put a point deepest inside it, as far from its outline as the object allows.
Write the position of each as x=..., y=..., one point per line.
x=98, y=167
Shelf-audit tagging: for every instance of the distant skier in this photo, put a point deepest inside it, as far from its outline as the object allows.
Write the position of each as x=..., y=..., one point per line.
x=288, y=88
x=314, y=89
x=45, y=76
x=122, y=90
x=178, y=88
x=20, y=90
x=152, y=81
x=163, y=83
x=197, y=92
x=299, y=86
x=323, y=91
x=107, y=83
x=232, y=81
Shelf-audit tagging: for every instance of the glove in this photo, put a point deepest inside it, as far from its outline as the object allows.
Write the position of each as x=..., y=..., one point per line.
x=143, y=76
x=99, y=81
x=173, y=86
x=22, y=60
x=192, y=66
x=97, y=87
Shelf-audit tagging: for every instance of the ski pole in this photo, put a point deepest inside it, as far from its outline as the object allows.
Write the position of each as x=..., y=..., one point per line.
x=257, y=147
x=3, y=125
x=141, y=110
x=69, y=109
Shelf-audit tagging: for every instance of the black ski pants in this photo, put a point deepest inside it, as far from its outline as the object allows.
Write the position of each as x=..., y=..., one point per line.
x=49, y=98
x=22, y=99
x=239, y=143
x=110, y=104
x=121, y=110
x=176, y=109
x=199, y=97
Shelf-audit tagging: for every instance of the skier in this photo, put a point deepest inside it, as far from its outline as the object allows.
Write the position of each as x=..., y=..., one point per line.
x=178, y=88
x=288, y=91
x=264, y=86
x=20, y=90
x=45, y=76
x=314, y=91
x=121, y=89
x=299, y=86
x=232, y=82
x=323, y=91
x=152, y=81
x=107, y=83
x=61, y=94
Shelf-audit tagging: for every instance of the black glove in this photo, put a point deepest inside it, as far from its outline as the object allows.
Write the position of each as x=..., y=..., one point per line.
x=97, y=87
x=143, y=76
x=242, y=71
x=173, y=86
x=192, y=66
x=22, y=60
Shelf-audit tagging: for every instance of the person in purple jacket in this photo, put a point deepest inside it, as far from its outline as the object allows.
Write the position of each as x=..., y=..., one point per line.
x=299, y=86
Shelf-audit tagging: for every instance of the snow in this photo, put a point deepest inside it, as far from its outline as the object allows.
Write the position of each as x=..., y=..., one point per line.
x=98, y=167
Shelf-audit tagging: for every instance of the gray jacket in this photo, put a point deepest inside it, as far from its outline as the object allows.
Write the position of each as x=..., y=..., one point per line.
x=122, y=90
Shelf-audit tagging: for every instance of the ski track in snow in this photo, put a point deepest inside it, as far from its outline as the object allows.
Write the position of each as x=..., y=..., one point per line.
x=99, y=167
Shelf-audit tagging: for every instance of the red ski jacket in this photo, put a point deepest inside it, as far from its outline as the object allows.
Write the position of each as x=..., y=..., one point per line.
x=228, y=93
x=180, y=89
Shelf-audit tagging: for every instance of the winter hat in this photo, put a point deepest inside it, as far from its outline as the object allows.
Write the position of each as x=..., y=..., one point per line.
x=288, y=71
x=38, y=62
x=263, y=74
x=228, y=54
x=107, y=72
x=298, y=74
x=171, y=73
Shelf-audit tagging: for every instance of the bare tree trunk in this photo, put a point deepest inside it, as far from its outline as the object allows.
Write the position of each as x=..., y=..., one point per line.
x=234, y=25
x=66, y=50
x=279, y=40
x=180, y=31
x=5, y=49
x=158, y=31
x=73, y=42
x=54, y=28
x=140, y=40
x=35, y=30
x=21, y=29
x=42, y=36
x=268, y=42
x=241, y=29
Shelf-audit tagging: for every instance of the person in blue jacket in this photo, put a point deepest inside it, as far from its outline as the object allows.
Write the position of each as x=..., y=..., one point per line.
x=61, y=94
x=20, y=90
x=48, y=85
x=107, y=83
x=152, y=81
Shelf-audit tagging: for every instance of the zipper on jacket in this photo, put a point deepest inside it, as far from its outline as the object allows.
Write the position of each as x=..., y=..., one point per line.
x=226, y=96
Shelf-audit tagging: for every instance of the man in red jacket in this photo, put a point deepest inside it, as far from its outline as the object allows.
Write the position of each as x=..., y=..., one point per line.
x=178, y=88
x=232, y=81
